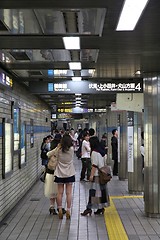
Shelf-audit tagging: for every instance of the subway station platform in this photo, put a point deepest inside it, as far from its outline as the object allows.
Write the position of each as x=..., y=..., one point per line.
x=124, y=219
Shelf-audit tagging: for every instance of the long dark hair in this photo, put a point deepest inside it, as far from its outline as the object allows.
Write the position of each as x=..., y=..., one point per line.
x=66, y=142
x=96, y=145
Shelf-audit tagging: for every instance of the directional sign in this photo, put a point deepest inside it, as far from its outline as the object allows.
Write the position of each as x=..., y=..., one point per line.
x=71, y=87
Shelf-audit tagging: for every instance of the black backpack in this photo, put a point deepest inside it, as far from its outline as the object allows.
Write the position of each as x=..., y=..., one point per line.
x=44, y=152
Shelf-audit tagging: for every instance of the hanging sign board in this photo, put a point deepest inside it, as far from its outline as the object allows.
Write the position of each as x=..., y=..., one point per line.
x=71, y=87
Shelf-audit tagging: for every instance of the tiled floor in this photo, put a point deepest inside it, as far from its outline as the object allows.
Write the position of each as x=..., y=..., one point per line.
x=30, y=220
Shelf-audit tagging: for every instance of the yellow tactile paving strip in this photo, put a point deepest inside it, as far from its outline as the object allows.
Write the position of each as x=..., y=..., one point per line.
x=113, y=222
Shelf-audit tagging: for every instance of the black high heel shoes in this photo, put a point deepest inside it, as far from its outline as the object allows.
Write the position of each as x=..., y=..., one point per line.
x=86, y=212
x=99, y=211
x=52, y=211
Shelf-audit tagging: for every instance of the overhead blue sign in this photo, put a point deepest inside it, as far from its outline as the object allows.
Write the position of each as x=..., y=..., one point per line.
x=51, y=73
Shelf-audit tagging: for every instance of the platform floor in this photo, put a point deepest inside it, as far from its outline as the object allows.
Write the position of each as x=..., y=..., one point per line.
x=124, y=219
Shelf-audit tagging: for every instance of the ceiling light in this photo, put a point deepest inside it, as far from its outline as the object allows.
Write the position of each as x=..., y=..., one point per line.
x=78, y=98
x=75, y=65
x=91, y=71
x=130, y=14
x=71, y=42
x=138, y=72
x=58, y=72
x=78, y=94
x=76, y=79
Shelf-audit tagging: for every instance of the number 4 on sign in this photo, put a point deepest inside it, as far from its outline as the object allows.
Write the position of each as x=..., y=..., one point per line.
x=138, y=87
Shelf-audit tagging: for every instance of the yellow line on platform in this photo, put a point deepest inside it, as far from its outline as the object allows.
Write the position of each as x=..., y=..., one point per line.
x=113, y=222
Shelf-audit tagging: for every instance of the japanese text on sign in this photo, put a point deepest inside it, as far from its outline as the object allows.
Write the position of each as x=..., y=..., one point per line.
x=115, y=87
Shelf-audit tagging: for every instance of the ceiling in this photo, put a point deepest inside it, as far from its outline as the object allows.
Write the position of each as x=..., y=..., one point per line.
x=31, y=44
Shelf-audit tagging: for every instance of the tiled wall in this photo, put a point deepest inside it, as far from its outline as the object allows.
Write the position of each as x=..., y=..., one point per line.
x=14, y=187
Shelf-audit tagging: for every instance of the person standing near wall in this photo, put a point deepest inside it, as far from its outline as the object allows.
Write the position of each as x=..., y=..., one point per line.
x=44, y=149
x=114, y=144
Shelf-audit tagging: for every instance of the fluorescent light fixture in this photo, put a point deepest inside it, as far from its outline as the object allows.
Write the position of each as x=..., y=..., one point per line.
x=78, y=98
x=76, y=79
x=130, y=14
x=78, y=94
x=78, y=105
x=71, y=42
x=59, y=72
x=91, y=71
x=138, y=72
x=75, y=65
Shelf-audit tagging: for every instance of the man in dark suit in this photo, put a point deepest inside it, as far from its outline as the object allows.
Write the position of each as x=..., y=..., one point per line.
x=114, y=144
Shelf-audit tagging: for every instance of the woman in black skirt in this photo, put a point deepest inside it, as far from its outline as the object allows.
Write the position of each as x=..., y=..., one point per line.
x=65, y=173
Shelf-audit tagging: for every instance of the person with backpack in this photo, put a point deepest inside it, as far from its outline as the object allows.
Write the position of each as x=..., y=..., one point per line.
x=44, y=149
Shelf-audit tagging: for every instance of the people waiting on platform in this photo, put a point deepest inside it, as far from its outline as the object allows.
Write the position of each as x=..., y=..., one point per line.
x=104, y=142
x=50, y=138
x=98, y=194
x=74, y=140
x=56, y=140
x=45, y=147
x=65, y=174
x=142, y=150
x=114, y=144
x=80, y=139
x=85, y=158
x=50, y=187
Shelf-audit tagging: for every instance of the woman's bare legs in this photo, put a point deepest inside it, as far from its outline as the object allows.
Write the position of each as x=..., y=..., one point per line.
x=68, y=195
x=68, y=199
x=52, y=205
x=60, y=194
x=59, y=199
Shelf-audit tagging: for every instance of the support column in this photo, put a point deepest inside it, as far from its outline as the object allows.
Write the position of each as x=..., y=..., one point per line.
x=122, y=144
x=135, y=176
x=152, y=145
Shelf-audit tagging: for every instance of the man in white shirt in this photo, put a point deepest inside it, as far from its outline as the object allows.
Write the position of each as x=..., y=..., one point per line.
x=85, y=158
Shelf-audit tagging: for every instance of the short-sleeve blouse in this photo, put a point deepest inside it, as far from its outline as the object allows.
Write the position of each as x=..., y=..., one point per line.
x=97, y=160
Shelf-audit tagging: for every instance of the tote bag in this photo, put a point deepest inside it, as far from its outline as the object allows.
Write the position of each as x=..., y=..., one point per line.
x=53, y=159
x=105, y=174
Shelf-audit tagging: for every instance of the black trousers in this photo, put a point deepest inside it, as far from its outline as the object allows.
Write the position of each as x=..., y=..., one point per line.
x=86, y=166
x=115, y=167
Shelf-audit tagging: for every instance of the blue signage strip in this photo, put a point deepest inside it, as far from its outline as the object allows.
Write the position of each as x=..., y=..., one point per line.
x=134, y=85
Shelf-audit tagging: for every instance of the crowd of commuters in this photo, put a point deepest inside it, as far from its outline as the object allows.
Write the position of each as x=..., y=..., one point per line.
x=64, y=145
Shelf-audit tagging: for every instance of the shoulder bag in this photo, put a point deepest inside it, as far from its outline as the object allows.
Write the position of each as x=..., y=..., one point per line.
x=53, y=159
x=105, y=174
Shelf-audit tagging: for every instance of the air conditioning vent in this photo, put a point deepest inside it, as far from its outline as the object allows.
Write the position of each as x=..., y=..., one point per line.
x=3, y=27
x=20, y=55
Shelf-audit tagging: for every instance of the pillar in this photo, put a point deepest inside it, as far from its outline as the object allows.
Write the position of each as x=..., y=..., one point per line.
x=152, y=145
x=135, y=176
